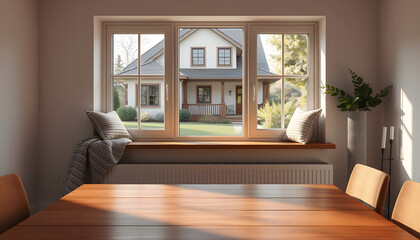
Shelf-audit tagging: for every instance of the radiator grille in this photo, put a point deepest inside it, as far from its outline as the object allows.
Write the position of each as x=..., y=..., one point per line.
x=220, y=173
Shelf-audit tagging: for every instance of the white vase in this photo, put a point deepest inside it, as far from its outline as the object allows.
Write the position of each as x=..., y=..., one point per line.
x=356, y=139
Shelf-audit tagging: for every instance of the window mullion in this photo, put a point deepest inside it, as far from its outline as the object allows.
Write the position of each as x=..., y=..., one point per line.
x=282, y=81
x=139, y=79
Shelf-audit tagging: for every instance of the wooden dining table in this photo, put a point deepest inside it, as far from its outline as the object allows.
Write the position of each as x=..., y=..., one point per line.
x=197, y=212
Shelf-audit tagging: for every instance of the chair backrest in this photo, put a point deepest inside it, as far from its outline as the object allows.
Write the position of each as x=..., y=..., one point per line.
x=14, y=205
x=369, y=185
x=406, y=212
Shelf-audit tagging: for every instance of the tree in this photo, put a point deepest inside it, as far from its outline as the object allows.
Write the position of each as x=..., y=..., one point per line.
x=127, y=47
x=116, y=99
x=296, y=54
x=118, y=66
x=295, y=49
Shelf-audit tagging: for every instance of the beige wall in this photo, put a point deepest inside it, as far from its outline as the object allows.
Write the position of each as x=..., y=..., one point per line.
x=66, y=73
x=399, y=61
x=19, y=91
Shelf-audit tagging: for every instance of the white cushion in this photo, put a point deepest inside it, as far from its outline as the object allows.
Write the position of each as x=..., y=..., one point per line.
x=301, y=125
x=108, y=125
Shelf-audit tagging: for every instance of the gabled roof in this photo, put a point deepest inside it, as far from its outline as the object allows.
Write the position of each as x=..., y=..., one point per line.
x=150, y=66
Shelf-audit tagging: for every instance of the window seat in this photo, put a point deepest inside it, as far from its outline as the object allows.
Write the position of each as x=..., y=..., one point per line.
x=227, y=145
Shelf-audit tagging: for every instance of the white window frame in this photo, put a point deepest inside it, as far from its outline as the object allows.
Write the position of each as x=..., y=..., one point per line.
x=172, y=83
x=144, y=28
x=254, y=30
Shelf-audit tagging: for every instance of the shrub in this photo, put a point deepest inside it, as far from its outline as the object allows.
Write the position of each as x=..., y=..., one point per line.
x=146, y=117
x=224, y=121
x=116, y=99
x=159, y=117
x=127, y=113
x=212, y=119
x=184, y=115
x=270, y=115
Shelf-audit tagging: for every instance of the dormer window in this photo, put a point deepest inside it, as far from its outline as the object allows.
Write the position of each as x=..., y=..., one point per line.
x=198, y=57
x=224, y=57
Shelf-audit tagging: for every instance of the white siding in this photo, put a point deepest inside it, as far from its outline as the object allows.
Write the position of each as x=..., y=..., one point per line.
x=259, y=93
x=210, y=41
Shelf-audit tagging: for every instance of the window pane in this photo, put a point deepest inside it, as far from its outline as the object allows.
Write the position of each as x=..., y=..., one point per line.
x=224, y=57
x=124, y=101
x=197, y=56
x=152, y=50
x=296, y=54
x=295, y=95
x=125, y=52
x=269, y=104
x=269, y=54
x=152, y=110
x=143, y=95
x=210, y=105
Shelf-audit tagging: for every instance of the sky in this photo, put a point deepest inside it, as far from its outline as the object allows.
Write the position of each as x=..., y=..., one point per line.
x=147, y=41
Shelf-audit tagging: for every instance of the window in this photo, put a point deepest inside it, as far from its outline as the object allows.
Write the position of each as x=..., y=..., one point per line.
x=198, y=57
x=290, y=82
x=140, y=70
x=150, y=95
x=154, y=68
x=224, y=56
x=203, y=94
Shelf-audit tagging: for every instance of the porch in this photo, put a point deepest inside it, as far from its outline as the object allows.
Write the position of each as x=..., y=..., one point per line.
x=221, y=110
x=224, y=101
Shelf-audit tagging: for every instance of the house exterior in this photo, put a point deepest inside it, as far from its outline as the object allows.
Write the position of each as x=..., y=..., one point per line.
x=210, y=74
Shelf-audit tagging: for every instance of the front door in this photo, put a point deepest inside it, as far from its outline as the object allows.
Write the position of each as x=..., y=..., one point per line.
x=238, y=99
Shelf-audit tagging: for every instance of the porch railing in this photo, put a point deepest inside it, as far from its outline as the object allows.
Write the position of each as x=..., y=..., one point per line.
x=204, y=109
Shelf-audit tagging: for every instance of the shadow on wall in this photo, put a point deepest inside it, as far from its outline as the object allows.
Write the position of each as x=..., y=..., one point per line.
x=405, y=165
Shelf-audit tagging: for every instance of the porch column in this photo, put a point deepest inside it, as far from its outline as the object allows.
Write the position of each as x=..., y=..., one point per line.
x=184, y=95
x=266, y=94
x=222, y=103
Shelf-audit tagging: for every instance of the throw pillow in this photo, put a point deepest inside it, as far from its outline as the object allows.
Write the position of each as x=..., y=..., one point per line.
x=108, y=125
x=301, y=125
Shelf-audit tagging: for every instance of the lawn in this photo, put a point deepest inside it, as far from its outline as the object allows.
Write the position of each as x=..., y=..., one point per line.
x=194, y=128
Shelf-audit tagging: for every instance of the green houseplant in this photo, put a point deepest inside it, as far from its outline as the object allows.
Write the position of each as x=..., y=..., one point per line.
x=362, y=99
x=357, y=106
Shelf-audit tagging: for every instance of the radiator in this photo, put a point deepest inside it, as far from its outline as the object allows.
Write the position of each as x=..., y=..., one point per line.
x=220, y=173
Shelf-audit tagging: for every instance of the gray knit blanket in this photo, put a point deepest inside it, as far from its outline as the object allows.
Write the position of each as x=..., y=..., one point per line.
x=91, y=159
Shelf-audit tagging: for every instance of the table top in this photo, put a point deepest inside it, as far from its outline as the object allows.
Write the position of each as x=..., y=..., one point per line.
x=232, y=211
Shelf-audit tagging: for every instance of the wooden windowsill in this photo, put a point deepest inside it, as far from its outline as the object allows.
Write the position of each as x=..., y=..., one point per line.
x=228, y=145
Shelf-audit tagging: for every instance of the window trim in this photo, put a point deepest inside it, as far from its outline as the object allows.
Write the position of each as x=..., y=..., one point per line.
x=173, y=65
x=204, y=86
x=148, y=106
x=204, y=57
x=218, y=57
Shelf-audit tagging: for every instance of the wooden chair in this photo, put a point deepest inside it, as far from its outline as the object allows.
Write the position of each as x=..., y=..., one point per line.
x=369, y=185
x=406, y=212
x=14, y=205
